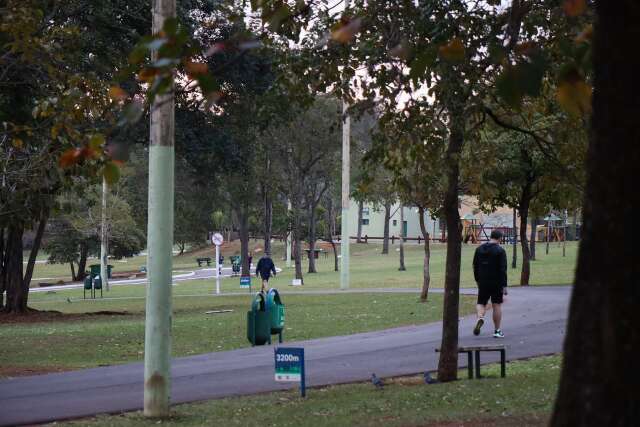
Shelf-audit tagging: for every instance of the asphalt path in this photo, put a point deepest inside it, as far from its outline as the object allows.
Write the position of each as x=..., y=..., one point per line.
x=534, y=324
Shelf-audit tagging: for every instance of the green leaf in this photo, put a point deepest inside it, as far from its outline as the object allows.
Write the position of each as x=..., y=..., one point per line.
x=425, y=58
x=170, y=26
x=111, y=173
x=507, y=87
x=96, y=141
x=207, y=83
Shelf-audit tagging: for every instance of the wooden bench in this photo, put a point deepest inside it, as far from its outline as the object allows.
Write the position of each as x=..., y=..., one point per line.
x=203, y=260
x=477, y=349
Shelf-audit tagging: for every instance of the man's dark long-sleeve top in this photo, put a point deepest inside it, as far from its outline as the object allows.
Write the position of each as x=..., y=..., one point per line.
x=490, y=265
x=265, y=267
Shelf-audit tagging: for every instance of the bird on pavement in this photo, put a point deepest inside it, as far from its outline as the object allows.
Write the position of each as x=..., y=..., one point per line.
x=428, y=379
x=377, y=382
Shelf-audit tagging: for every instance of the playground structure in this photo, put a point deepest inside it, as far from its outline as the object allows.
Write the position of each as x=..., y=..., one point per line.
x=475, y=231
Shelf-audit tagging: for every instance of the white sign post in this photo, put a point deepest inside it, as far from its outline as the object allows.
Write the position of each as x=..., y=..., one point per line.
x=217, y=240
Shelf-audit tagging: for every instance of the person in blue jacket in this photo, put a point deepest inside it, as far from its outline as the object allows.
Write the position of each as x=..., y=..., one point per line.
x=264, y=269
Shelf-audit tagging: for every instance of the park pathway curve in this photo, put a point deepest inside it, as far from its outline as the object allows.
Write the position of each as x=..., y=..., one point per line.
x=534, y=324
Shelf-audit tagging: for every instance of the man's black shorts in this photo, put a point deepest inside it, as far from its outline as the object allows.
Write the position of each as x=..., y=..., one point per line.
x=486, y=292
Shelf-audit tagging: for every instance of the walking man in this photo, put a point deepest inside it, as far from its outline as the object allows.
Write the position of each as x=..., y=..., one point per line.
x=264, y=269
x=490, y=273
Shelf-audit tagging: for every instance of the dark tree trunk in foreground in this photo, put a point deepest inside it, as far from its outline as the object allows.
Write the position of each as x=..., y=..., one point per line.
x=387, y=218
x=532, y=243
x=402, y=236
x=448, y=363
x=599, y=379
x=16, y=293
x=426, y=274
x=360, y=208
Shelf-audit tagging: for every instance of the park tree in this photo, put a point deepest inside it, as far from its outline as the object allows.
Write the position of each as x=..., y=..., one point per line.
x=410, y=146
x=77, y=224
x=596, y=387
x=306, y=169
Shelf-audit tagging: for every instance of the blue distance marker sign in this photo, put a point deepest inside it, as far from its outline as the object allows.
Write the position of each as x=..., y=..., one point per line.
x=289, y=364
x=245, y=281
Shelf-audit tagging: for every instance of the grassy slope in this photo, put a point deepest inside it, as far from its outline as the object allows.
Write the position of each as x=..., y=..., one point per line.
x=111, y=339
x=525, y=397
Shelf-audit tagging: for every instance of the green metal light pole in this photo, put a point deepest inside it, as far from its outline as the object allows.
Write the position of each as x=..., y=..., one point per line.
x=157, y=343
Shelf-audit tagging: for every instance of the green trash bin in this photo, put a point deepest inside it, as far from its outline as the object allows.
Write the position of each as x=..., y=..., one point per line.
x=275, y=307
x=95, y=270
x=97, y=284
x=88, y=286
x=258, y=322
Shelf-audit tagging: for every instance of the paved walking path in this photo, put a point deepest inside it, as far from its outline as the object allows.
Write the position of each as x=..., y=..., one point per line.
x=534, y=324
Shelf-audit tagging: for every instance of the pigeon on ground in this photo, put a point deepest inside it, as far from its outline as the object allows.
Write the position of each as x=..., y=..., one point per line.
x=377, y=382
x=428, y=379
x=68, y=299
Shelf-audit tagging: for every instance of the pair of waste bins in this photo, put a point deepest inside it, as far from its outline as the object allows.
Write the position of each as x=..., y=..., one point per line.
x=92, y=284
x=265, y=318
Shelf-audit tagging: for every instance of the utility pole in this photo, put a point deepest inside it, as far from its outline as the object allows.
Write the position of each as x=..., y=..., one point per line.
x=104, y=238
x=157, y=343
x=346, y=177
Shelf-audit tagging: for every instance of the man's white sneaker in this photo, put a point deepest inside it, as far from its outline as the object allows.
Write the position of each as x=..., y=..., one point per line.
x=498, y=334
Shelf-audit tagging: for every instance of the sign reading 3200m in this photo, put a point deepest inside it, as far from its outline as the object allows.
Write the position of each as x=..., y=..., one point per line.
x=289, y=364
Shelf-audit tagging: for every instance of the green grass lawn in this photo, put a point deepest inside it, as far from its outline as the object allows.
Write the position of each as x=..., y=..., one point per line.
x=369, y=269
x=87, y=341
x=524, y=398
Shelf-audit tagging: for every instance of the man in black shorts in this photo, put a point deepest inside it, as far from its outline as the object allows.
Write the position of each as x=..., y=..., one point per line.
x=490, y=272
x=264, y=269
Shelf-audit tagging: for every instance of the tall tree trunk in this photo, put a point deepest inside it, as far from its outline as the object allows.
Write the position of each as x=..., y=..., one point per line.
x=360, y=208
x=387, y=218
x=524, y=203
x=448, y=363
x=331, y=232
x=3, y=271
x=525, y=272
x=599, y=379
x=268, y=220
x=33, y=254
x=243, y=216
x=312, y=239
x=514, y=243
x=297, y=240
x=533, y=234
x=426, y=274
x=575, y=224
x=73, y=272
x=402, y=236
x=82, y=262
x=16, y=293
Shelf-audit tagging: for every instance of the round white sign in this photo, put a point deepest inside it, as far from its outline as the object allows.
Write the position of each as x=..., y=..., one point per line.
x=217, y=239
